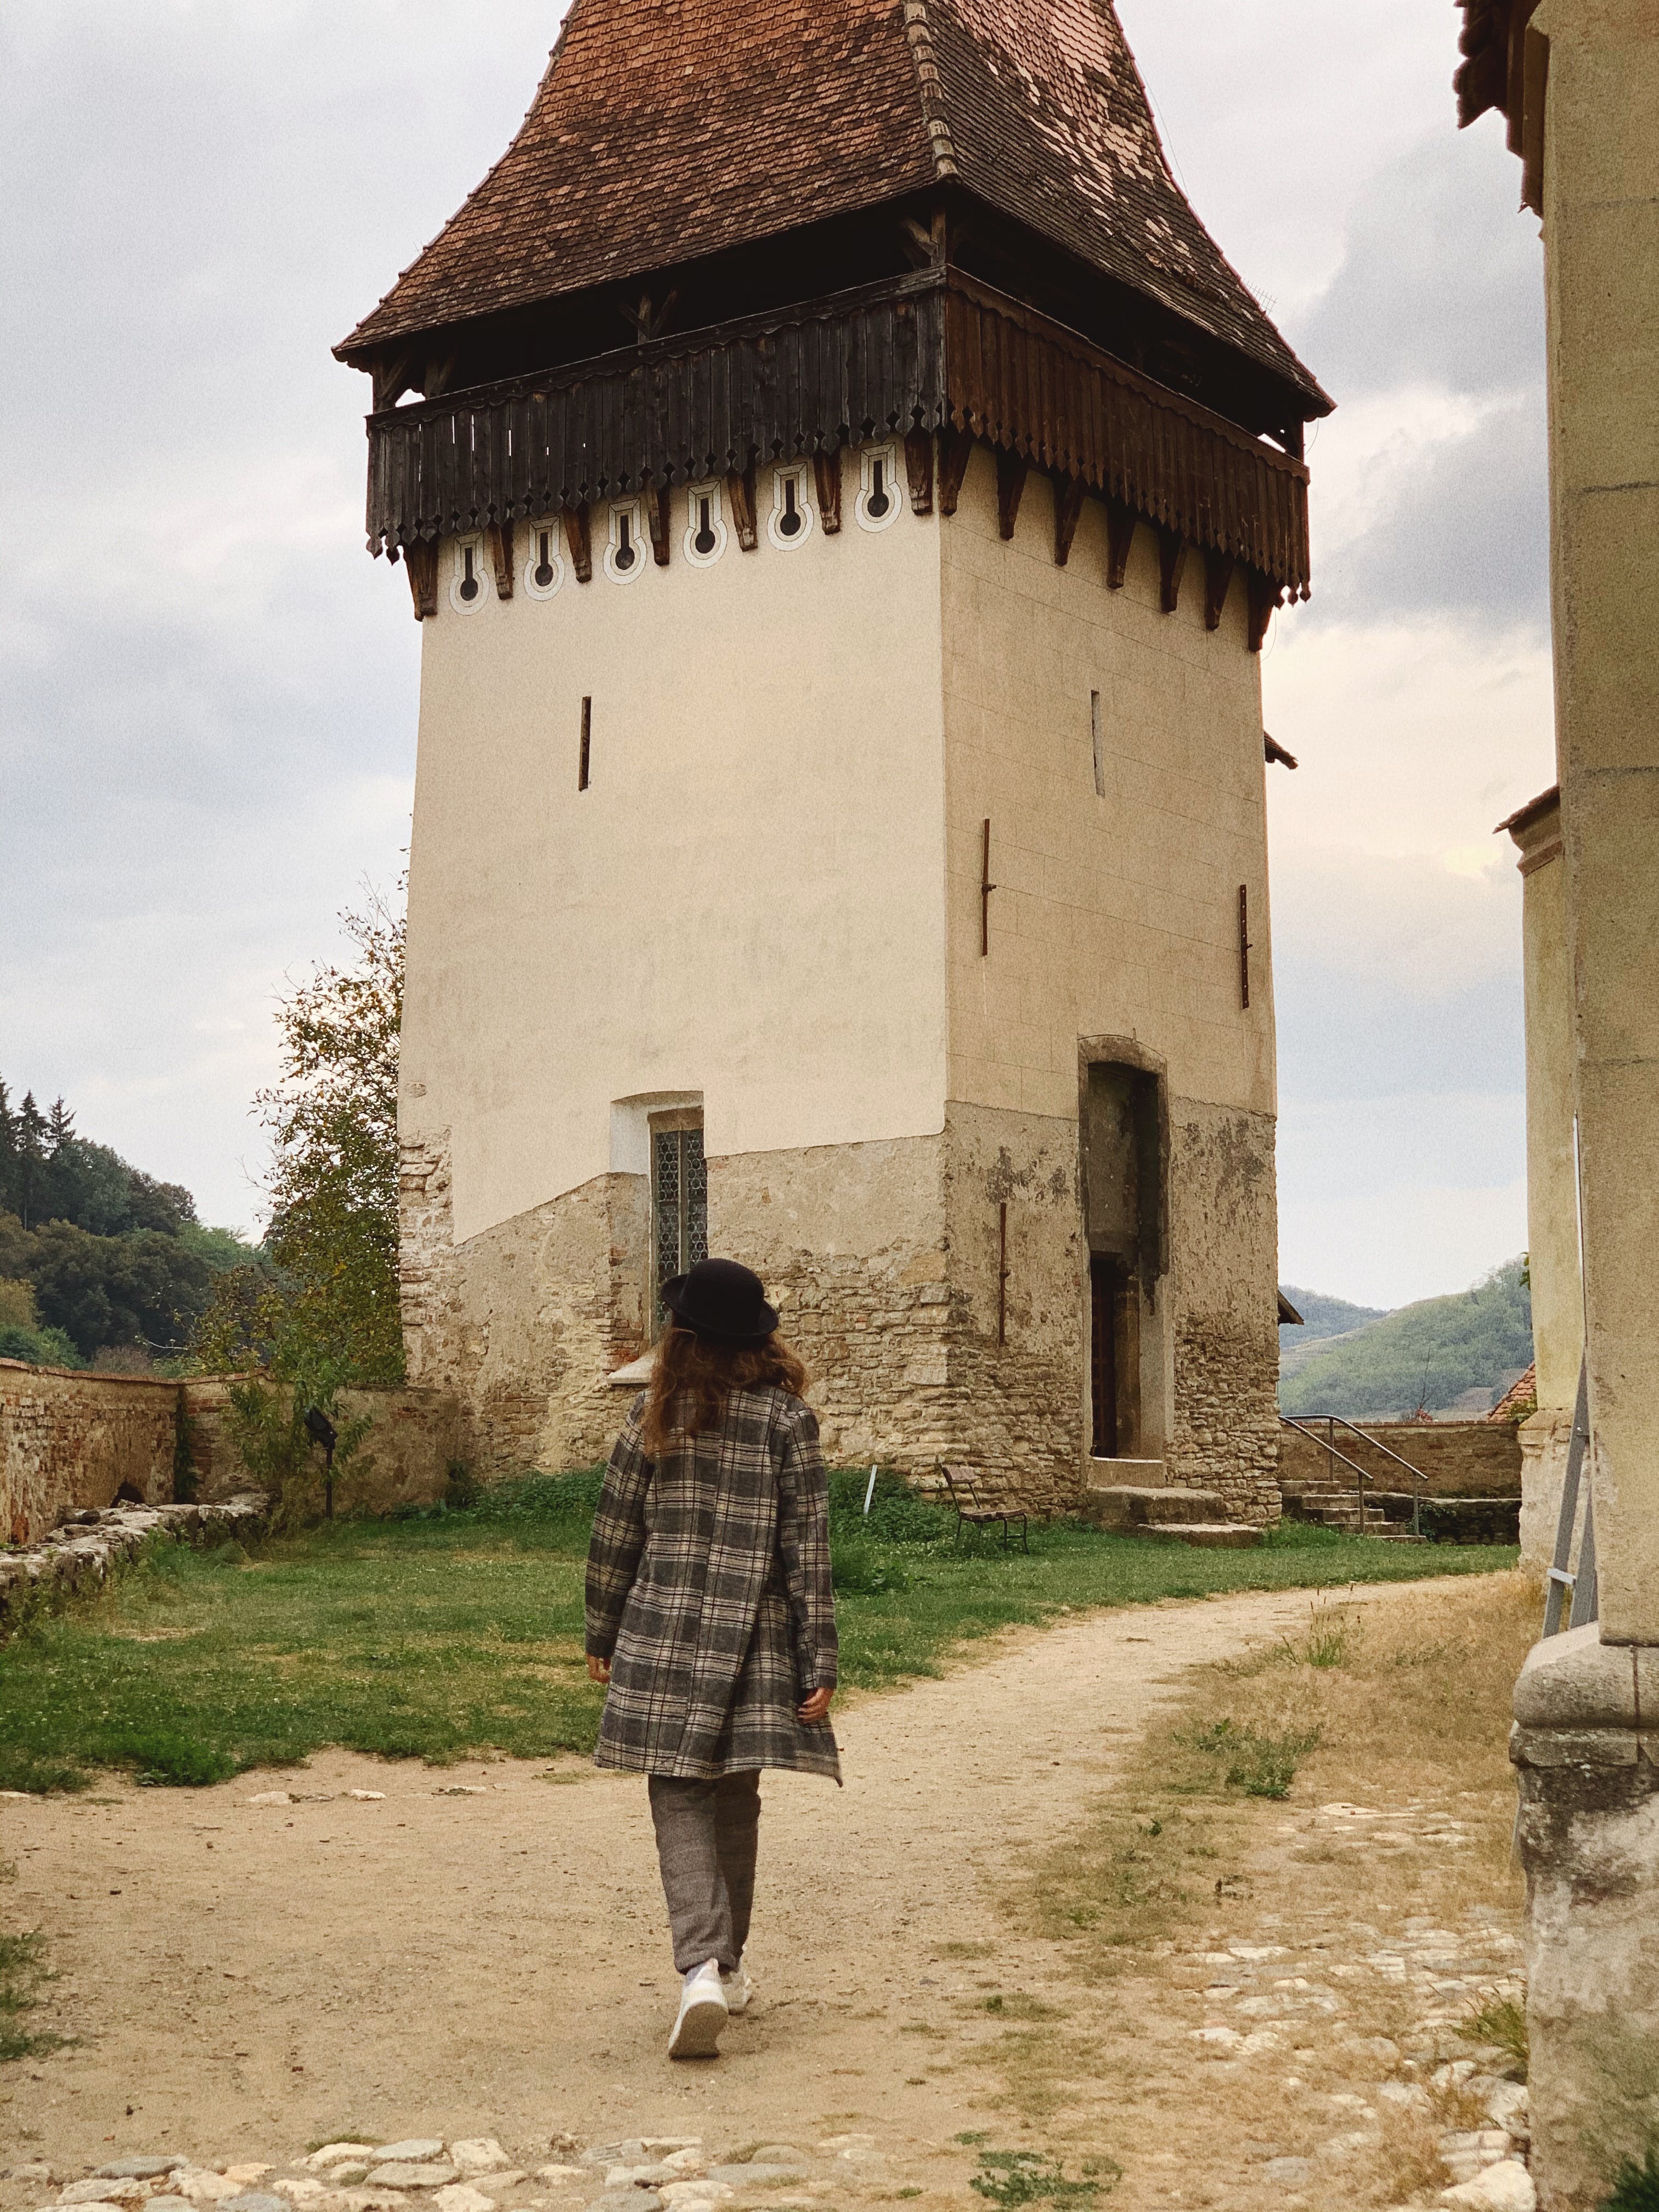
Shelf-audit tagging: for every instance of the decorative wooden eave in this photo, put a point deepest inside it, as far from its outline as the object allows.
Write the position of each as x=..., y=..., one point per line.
x=933, y=352
x=1505, y=66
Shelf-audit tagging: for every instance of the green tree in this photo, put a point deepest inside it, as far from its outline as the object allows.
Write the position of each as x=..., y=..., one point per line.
x=324, y=1294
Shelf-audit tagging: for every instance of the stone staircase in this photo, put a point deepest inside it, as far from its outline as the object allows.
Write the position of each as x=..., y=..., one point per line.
x=1169, y=1515
x=1333, y=1506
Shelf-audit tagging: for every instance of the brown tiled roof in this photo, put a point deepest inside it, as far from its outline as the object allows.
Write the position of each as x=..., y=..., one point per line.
x=667, y=130
x=1533, y=811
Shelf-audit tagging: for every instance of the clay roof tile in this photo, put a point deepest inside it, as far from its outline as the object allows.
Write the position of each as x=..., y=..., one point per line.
x=667, y=130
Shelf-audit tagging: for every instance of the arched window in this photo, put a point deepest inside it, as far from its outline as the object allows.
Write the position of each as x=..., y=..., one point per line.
x=878, y=499
x=543, y=567
x=705, y=523
x=790, y=523
x=626, y=554
x=469, y=580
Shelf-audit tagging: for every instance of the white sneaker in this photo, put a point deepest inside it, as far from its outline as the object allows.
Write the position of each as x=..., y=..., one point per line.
x=703, y=2014
x=738, y=1988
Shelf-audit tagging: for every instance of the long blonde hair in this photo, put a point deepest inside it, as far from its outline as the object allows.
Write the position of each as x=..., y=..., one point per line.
x=694, y=1376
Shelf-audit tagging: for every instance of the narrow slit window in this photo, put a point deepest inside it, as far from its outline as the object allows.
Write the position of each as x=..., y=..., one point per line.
x=1098, y=736
x=789, y=521
x=585, y=750
x=543, y=558
x=626, y=556
x=879, y=498
x=469, y=586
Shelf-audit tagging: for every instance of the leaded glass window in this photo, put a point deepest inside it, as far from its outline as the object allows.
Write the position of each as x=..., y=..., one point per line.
x=679, y=1204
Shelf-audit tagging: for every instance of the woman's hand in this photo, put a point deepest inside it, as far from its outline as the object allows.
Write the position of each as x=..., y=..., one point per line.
x=599, y=1670
x=815, y=1708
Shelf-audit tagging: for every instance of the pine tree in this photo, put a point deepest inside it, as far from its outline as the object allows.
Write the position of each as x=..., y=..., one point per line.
x=9, y=1184
x=31, y=1153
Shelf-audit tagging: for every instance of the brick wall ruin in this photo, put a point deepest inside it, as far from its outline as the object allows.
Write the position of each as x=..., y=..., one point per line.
x=70, y=1442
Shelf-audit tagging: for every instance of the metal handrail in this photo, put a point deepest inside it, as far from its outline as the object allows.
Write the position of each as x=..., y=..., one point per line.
x=1328, y=1444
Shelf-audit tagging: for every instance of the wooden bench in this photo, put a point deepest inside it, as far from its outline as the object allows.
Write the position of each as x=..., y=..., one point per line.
x=980, y=1502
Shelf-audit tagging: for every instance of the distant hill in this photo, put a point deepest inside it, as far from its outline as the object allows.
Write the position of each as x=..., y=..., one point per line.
x=1323, y=1318
x=1456, y=1354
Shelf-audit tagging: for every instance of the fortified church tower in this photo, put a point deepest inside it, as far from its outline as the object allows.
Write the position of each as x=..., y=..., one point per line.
x=845, y=500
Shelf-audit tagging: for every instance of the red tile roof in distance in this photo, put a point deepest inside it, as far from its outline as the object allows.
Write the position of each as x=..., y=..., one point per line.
x=666, y=129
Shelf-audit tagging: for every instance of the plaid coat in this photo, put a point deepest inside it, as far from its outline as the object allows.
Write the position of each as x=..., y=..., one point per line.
x=708, y=1591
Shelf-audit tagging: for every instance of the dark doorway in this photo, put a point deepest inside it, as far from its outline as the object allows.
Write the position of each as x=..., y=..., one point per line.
x=1106, y=1287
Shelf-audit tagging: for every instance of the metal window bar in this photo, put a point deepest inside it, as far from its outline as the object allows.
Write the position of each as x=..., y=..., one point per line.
x=680, y=1197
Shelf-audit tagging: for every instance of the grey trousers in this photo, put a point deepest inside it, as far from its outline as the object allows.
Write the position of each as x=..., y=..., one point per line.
x=705, y=1838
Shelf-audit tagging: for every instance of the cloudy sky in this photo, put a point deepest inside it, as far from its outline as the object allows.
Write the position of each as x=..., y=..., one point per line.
x=207, y=692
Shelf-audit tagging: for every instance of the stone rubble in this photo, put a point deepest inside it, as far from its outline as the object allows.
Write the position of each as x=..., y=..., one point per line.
x=1264, y=2000
x=470, y=2174
x=81, y=1553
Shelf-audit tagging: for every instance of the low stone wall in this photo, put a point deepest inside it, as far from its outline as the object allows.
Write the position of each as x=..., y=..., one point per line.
x=1455, y=1459
x=406, y=1454
x=70, y=1442
x=81, y=1553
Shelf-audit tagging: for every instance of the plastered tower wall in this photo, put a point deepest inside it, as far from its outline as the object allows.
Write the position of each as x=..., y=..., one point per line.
x=870, y=1098
x=742, y=909
x=1113, y=934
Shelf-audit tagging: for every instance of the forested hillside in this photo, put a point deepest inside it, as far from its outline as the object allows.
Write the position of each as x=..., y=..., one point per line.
x=96, y=1257
x=1433, y=1354
x=1322, y=1317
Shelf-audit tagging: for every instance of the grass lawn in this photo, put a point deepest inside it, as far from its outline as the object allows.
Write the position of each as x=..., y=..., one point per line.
x=457, y=1632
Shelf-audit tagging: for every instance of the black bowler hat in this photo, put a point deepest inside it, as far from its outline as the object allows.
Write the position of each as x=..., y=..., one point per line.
x=722, y=1301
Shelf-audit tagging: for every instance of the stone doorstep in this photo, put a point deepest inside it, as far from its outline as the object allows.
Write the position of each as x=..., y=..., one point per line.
x=1204, y=1535
x=1135, y=1506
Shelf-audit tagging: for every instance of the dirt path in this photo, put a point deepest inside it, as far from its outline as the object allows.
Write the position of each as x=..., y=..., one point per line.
x=251, y=1980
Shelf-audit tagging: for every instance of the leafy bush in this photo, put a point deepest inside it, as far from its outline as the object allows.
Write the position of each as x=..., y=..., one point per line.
x=40, y=1347
x=897, y=1514
x=267, y=1423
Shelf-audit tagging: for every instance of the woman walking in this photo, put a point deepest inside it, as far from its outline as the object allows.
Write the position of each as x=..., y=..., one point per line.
x=709, y=1615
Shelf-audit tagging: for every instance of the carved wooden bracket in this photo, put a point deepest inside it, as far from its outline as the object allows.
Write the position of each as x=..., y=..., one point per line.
x=741, y=489
x=1264, y=598
x=1121, y=522
x=576, y=536
x=421, y=559
x=955, y=449
x=826, y=478
x=1217, y=575
x=1069, y=494
x=1013, y=469
x=1172, y=561
x=656, y=516
x=919, y=467
x=498, y=543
